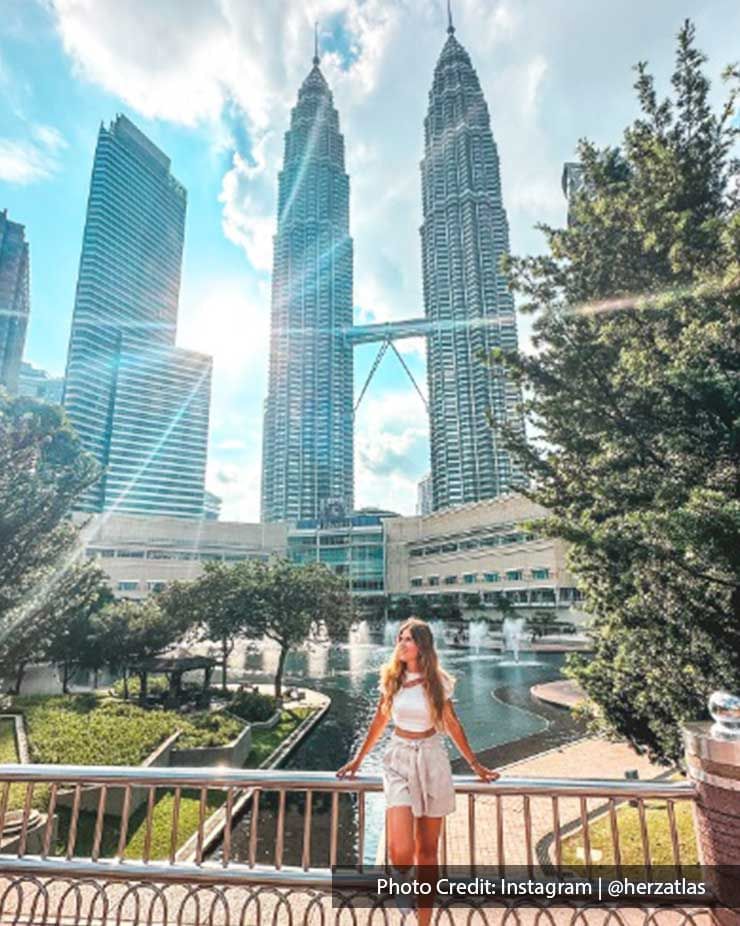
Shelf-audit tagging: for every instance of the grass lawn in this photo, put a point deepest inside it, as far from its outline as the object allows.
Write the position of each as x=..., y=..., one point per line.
x=9, y=755
x=161, y=826
x=630, y=842
x=264, y=743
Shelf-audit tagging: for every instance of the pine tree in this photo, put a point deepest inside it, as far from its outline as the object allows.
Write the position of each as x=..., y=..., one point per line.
x=633, y=392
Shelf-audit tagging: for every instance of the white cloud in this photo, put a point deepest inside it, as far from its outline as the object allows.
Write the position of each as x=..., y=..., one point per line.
x=391, y=450
x=25, y=161
x=238, y=486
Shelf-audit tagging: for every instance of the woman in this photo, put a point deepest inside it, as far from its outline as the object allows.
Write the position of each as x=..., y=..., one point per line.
x=417, y=777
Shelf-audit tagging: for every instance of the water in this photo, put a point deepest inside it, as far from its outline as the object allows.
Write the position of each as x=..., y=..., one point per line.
x=349, y=675
x=513, y=635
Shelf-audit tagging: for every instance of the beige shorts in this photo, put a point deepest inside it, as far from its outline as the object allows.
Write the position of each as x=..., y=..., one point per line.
x=417, y=774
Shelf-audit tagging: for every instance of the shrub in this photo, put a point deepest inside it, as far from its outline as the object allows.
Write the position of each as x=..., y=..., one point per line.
x=253, y=706
x=209, y=729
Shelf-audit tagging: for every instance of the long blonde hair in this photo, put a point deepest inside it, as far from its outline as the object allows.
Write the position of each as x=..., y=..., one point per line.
x=433, y=675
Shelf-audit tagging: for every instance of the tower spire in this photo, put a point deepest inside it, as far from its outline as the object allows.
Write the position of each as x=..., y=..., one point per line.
x=450, y=27
x=315, y=43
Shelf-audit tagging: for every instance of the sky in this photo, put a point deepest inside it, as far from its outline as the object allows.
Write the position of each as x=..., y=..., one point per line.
x=211, y=82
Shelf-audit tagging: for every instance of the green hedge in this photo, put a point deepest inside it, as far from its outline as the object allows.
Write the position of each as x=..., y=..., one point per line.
x=213, y=729
x=253, y=706
x=86, y=730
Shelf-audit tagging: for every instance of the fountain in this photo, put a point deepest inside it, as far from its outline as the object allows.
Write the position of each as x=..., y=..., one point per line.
x=513, y=635
x=478, y=633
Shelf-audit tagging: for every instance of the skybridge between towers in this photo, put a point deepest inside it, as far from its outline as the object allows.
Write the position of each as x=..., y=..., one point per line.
x=385, y=333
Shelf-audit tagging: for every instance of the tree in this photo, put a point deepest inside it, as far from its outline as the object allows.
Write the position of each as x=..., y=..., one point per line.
x=132, y=633
x=297, y=603
x=71, y=641
x=222, y=603
x=633, y=391
x=43, y=469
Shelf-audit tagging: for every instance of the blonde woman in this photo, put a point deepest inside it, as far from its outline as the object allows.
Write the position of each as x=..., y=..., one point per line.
x=417, y=778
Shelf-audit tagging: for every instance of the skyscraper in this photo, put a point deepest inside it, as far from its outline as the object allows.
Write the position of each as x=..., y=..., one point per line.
x=464, y=235
x=307, y=456
x=37, y=384
x=14, y=299
x=139, y=404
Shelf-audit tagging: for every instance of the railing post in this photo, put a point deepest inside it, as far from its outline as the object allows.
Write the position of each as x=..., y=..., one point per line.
x=713, y=762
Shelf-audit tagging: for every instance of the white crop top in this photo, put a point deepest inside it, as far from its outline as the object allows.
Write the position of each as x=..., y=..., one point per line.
x=410, y=709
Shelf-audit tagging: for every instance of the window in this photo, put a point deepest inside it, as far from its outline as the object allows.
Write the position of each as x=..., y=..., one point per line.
x=541, y=573
x=514, y=575
x=470, y=577
x=490, y=577
x=434, y=580
x=155, y=585
x=130, y=554
x=450, y=580
x=416, y=582
x=128, y=585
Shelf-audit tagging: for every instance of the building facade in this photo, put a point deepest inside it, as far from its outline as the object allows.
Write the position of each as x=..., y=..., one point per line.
x=138, y=403
x=38, y=384
x=476, y=555
x=352, y=546
x=464, y=235
x=15, y=299
x=424, y=495
x=571, y=183
x=159, y=432
x=142, y=555
x=307, y=457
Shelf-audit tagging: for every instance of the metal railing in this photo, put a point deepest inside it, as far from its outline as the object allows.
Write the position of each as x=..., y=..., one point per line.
x=218, y=828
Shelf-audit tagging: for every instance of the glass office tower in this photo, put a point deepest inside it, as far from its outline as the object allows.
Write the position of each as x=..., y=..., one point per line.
x=135, y=399
x=14, y=299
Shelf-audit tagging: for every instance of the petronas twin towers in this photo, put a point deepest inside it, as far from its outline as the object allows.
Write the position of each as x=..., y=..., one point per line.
x=307, y=462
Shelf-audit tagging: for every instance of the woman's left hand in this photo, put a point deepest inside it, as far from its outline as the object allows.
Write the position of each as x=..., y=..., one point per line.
x=485, y=774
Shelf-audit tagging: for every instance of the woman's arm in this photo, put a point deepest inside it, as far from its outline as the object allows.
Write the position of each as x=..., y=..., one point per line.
x=455, y=729
x=375, y=731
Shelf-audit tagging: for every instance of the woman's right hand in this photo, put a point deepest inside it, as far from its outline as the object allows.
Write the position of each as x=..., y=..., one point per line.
x=350, y=769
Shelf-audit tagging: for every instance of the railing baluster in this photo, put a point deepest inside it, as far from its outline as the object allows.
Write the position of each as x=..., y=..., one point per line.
x=644, y=837
x=308, y=813
x=125, y=813
x=26, y=816
x=586, y=836
x=500, y=836
x=253, y=825
x=175, y=824
x=49, y=828
x=146, y=855
x=471, y=831
x=361, y=824
x=334, y=828
x=556, y=833
x=72, y=838
x=228, y=823
x=675, y=847
x=615, y=835
x=201, y=825
x=99, y=822
x=528, y=835
x=4, y=805
x=280, y=836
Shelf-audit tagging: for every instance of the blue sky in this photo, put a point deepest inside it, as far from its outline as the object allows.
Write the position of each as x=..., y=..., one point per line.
x=212, y=82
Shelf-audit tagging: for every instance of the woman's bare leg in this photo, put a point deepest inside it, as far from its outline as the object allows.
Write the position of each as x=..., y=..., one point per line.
x=399, y=828
x=426, y=845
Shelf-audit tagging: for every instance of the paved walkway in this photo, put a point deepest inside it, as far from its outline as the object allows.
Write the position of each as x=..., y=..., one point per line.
x=564, y=693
